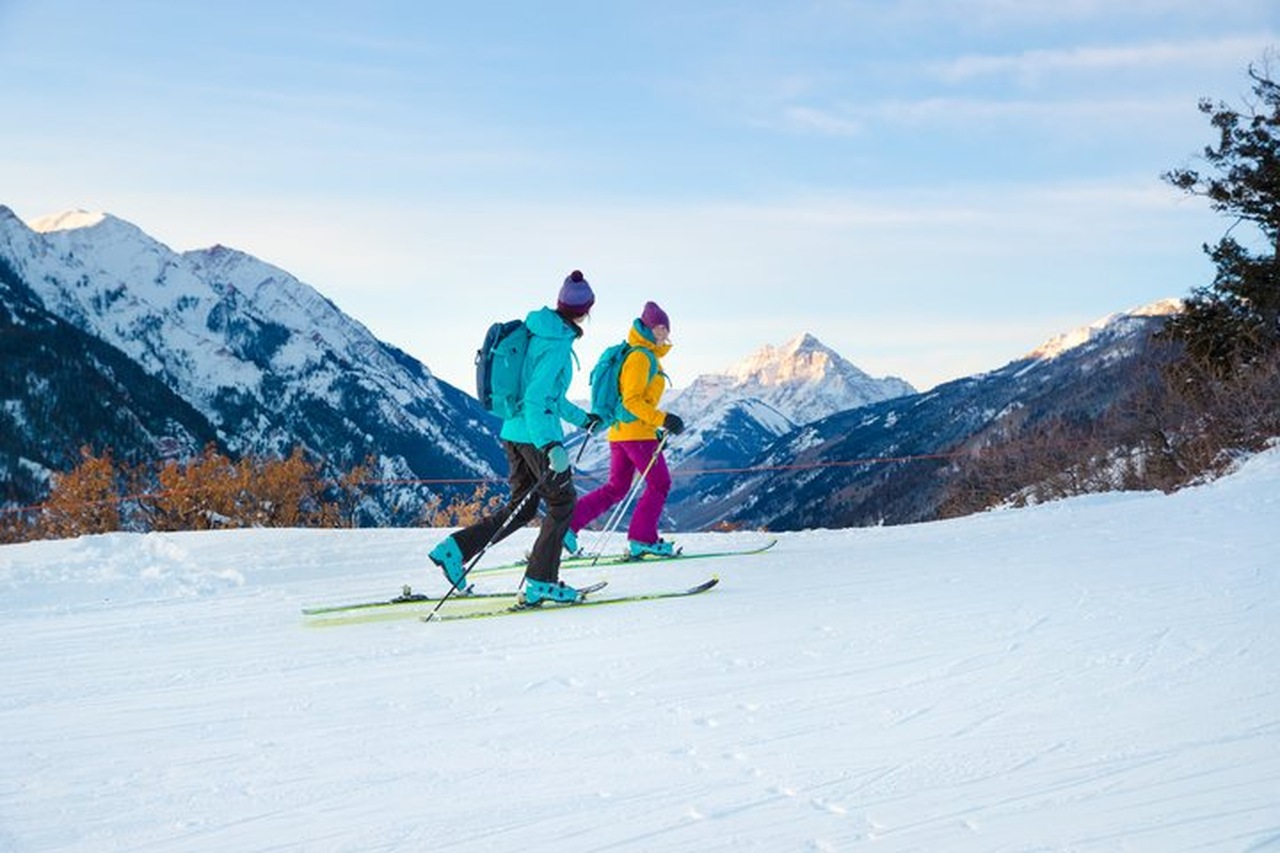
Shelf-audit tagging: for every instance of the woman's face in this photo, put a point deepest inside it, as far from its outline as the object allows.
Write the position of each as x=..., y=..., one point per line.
x=661, y=334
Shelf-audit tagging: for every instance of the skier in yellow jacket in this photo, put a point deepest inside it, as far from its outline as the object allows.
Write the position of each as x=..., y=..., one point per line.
x=634, y=445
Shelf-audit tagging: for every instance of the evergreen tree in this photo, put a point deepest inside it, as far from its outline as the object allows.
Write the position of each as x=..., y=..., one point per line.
x=1235, y=321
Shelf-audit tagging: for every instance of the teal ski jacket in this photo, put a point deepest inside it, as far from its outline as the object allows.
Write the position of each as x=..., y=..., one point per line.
x=548, y=370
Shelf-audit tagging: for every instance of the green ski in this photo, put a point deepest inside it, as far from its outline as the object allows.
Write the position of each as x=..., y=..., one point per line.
x=406, y=597
x=493, y=608
x=586, y=561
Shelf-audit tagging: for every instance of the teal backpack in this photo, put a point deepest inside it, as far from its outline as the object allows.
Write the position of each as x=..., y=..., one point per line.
x=606, y=388
x=499, y=365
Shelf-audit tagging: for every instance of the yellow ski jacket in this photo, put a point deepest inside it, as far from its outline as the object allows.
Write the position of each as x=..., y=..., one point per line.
x=640, y=393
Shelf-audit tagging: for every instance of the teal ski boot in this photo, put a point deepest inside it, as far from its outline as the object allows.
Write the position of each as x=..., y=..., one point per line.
x=448, y=556
x=571, y=542
x=536, y=592
x=661, y=548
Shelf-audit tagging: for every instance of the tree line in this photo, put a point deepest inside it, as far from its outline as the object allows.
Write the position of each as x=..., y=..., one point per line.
x=212, y=492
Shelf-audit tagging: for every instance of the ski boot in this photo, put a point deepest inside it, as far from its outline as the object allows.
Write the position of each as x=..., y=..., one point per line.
x=448, y=556
x=536, y=592
x=571, y=542
x=661, y=548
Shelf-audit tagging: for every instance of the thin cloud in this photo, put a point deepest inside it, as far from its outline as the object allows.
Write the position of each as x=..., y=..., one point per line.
x=822, y=122
x=952, y=111
x=1039, y=63
x=943, y=112
x=1006, y=15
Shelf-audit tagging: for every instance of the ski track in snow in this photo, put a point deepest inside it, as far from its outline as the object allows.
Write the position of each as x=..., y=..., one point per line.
x=1093, y=675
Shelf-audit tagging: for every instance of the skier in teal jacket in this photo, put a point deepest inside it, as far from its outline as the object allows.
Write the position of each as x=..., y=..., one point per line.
x=533, y=440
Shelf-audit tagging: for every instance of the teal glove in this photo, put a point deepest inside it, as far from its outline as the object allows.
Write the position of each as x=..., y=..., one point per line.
x=558, y=458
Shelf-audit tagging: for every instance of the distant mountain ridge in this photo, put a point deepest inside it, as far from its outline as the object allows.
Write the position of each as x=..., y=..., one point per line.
x=111, y=339
x=269, y=362
x=1104, y=327
x=888, y=462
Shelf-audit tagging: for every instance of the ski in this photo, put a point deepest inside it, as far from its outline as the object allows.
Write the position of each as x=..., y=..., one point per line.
x=491, y=609
x=406, y=596
x=512, y=602
x=409, y=603
x=586, y=561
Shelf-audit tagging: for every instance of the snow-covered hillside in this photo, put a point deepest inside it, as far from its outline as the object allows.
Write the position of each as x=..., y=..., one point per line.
x=1093, y=675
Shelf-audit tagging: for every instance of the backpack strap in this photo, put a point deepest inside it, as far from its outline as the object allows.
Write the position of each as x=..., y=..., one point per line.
x=653, y=360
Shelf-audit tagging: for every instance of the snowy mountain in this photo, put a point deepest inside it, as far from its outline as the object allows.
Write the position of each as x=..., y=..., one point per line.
x=62, y=389
x=886, y=463
x=1098, y=674
x=731, y=417
x=803, y=379
x=267, y=360
x=155, y=353
x=735, y=414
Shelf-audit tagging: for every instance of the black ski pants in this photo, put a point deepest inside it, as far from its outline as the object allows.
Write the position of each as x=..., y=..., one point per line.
x=528, y=466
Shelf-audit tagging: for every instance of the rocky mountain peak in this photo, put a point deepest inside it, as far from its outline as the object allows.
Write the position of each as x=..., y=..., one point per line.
x=801, y=359
x=67, y=220
x=803, y=379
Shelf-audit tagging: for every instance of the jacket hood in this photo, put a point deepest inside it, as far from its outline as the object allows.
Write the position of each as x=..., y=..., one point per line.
x=547, y=323
x=640, y=336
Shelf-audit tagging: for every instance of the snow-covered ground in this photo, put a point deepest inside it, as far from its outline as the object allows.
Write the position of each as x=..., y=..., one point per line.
x=1097, y=674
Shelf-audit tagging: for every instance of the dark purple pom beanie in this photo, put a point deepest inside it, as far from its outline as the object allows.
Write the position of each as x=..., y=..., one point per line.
x=575, y=297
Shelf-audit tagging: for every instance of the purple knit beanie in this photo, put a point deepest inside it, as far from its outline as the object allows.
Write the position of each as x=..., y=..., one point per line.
x=652, y=316
x=575, y=297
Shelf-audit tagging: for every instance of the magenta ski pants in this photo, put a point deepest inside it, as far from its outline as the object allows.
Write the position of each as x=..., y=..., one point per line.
x=625, y=459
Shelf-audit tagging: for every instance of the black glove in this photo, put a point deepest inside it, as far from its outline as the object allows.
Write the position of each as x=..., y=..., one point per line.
x=593, y=421
x=673, y=424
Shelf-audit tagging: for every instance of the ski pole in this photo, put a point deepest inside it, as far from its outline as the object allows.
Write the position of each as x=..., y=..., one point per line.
x=616, y=518
x=497, y=534
x=581, y=447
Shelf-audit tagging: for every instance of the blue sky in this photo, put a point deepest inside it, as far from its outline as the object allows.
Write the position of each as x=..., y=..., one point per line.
x=932, y=187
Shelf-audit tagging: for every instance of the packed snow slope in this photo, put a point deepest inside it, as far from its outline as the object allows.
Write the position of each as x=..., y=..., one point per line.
x=1093, y=675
